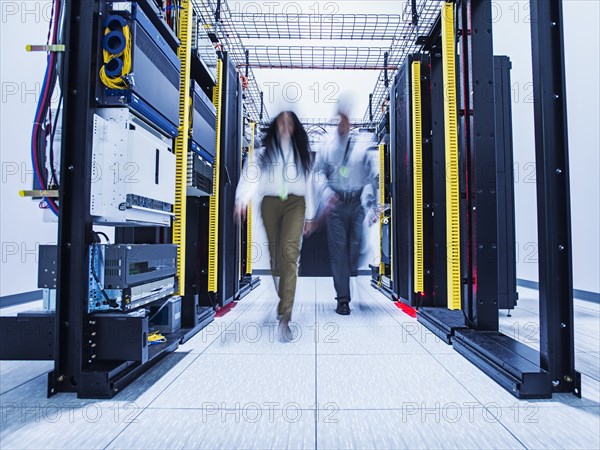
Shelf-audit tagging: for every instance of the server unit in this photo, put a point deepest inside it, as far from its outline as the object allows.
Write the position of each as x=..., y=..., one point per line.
x=200, y=174
x=133, y=171
x=202, y=151
x=410, y=233
x=127, y=276
x=204, y=124
x=138, y=64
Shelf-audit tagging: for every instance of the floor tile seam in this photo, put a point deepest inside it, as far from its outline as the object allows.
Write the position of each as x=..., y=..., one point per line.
x=235, y=320
x=480, y=402
x=593, y=377
x=380, y=299
x=498, y=420
x=194, y=360
x=134, y=420
x=246, y=305
x=365, y=409
x=427, y=350
x=23, y=383
x=404, y=328
x=316, y=416
x=198, y=355
x=259, y=354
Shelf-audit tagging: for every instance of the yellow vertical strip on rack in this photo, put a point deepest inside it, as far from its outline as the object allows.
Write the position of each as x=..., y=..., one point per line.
x=451, y=145
x=249, y=211
x=381, y=205
x=417, y=178
x=181, y=141
x=213, y=208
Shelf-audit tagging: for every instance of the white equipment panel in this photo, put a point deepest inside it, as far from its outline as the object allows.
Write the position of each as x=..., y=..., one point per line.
x=133, y=171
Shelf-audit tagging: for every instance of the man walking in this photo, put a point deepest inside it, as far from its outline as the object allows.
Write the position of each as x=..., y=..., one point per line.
x=347, y=170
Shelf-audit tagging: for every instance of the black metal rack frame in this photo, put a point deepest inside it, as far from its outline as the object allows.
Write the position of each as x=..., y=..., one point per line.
x=372, y=27
x=525, y=372
x=317, y=57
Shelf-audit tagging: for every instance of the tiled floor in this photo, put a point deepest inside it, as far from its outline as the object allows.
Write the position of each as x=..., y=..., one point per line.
x=375, y=379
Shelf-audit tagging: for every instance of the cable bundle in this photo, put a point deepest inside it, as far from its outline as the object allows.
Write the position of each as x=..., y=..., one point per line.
x=42, y=123
x=116, y=51
x=156, y=338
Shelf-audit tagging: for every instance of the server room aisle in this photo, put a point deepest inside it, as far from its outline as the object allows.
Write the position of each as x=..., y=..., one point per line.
x=374, y=379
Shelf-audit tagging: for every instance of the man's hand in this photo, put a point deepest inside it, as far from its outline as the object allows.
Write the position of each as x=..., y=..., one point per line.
x=372, y=217
x=239, y=213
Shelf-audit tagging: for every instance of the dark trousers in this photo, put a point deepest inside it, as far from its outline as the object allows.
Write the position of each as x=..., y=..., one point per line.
x=344, y=233
x=284, y=223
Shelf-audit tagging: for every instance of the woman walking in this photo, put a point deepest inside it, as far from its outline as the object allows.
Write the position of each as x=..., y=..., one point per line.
x=279, y=174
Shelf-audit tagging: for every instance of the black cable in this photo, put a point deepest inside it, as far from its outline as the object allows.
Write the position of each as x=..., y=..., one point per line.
x=469, y=321
x=159, y=310
x=101, y=233
x=212, y=303
x=52, y=168
x=40, y=154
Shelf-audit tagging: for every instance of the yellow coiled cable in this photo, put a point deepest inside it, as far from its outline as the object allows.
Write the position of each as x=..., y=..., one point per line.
x=118, y=82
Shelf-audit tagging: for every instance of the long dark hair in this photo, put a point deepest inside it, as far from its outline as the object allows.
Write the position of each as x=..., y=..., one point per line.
x=302, y=154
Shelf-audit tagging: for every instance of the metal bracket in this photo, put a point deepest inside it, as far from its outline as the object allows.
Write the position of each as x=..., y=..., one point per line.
x=45, y=48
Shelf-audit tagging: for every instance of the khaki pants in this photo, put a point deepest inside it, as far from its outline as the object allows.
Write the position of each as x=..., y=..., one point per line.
x=284, y=224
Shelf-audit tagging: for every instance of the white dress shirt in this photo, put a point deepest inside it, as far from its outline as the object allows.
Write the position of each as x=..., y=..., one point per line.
x=345, y=165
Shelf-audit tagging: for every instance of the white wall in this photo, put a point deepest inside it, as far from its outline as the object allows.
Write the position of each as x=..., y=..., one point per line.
x=512, y=37
x=21, y=73
x=582, y=56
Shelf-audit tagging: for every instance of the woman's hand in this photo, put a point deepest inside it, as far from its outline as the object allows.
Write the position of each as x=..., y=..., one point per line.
x=239, y=213
x=309, y=227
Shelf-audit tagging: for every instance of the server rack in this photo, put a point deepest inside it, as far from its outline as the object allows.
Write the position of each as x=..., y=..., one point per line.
x=231, y=148
x=412, y=197
x=402, y=185
x=507, y=287
x=381, y=276
x=485, y=276
x=247, y=280
x=96, y=354
x=202, y=160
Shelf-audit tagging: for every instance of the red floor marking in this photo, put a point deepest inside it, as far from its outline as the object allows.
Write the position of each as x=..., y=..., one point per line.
x=221, y=311
x=412, y=312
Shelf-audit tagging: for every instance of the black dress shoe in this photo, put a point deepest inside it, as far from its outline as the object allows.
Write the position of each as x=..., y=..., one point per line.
x=343, y=308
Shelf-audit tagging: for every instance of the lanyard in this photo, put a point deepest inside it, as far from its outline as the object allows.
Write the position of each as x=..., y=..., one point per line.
x=283, y=188
x=343, y=169
x=346, y=153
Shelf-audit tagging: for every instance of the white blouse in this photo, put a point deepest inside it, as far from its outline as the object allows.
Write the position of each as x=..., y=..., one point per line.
x=277, y=178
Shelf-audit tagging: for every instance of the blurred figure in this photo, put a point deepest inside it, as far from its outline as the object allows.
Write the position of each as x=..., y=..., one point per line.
x=279, y=174
x=347, y=170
